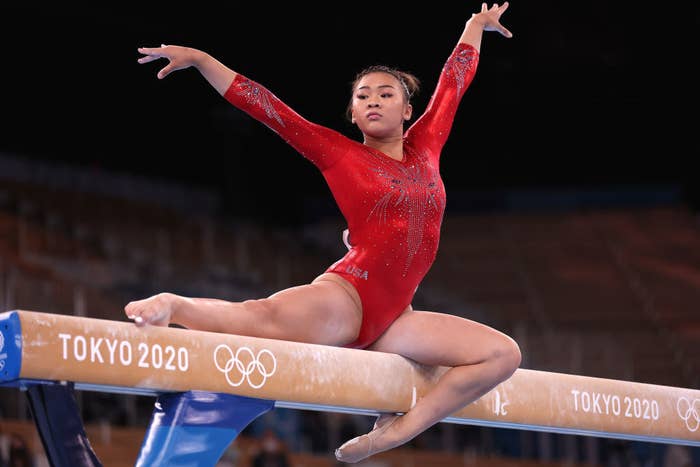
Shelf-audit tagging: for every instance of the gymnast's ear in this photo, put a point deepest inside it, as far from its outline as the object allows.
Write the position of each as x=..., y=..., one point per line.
x=408, y=112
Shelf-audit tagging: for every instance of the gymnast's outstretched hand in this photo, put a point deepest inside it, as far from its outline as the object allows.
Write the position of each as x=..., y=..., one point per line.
x=156, y=310
x=490, y=18
x=178, y=57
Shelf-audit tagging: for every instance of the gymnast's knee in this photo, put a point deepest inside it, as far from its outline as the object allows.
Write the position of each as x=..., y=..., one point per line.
x=267, y=314
x=506, y=358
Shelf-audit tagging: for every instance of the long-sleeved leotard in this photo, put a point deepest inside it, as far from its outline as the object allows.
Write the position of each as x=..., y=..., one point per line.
x=393, y=209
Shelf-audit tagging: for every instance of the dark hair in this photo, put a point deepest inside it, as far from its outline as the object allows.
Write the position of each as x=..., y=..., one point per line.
x=409, y=82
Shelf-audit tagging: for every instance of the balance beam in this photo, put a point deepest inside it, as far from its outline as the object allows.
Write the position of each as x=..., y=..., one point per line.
x=116, y=356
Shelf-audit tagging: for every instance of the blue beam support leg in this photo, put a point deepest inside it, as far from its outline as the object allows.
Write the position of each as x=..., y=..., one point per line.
x=60, y=426
x=194, y=428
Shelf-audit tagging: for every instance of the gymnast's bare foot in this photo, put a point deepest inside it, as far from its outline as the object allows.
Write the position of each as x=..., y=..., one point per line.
x=155, y=310
x=375, y=441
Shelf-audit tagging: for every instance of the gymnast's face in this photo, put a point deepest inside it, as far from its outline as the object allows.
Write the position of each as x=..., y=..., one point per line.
x=379, y=105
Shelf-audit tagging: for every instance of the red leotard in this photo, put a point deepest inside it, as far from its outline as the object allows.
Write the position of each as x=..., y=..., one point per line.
x=393, y=208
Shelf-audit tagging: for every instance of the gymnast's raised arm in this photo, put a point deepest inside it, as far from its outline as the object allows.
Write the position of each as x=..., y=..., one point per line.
x=307, y=137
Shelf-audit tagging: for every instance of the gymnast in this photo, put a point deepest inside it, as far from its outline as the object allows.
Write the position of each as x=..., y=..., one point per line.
x=389, y=190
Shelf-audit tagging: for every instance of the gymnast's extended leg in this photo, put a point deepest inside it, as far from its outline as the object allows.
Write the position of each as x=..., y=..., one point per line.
x=327, y=311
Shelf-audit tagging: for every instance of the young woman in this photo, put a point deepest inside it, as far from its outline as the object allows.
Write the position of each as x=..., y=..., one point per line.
x=389, y=189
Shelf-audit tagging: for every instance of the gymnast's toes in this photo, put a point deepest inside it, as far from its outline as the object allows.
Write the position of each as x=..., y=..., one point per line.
x=364, y=446
x=355, y=450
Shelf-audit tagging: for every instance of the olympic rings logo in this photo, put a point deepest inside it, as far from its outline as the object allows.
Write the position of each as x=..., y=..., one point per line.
x=244, y=365
x=689, y=412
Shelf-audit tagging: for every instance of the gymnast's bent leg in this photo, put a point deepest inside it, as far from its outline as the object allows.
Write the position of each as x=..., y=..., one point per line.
x=480, y=358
